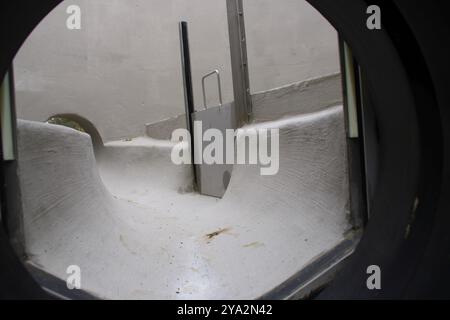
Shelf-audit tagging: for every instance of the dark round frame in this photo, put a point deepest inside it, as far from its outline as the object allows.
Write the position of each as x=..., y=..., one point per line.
x=406, y=68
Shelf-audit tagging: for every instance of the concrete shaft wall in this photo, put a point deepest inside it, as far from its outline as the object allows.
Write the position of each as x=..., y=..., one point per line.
x=136, y=231
x=122, y=69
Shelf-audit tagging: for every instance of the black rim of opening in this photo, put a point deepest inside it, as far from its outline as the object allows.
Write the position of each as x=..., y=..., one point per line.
x=403, y=65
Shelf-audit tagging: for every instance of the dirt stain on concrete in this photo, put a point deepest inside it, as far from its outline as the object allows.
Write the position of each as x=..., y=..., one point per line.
x=255, y=244
x=124, y=243
x=210, y=236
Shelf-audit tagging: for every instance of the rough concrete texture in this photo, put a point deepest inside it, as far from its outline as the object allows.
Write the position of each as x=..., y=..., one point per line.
x=301, y=97
x=122, y=69
x=293, y=99
x=162, y=130
x=136, y=230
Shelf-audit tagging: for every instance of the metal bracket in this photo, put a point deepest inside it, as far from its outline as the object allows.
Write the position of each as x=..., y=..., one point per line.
x=239, y=63
x=219, y=86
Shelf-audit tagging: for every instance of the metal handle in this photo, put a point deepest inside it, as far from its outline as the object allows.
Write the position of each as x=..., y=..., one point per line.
x=218, y=85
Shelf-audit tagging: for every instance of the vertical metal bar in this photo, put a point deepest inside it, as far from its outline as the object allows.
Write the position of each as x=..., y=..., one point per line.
x=368, y=131
x=355, y=141
x=239, y=63
x=187, y=85
x=351, y=93
x=11, y=195
x=8, y=145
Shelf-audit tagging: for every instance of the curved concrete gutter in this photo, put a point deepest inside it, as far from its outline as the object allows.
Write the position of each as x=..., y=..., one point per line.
x=132, y=224
x=297, y=98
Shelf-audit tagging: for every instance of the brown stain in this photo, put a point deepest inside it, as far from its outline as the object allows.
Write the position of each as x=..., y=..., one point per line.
x=255, y=244
x=124, y=243
x=214, y=234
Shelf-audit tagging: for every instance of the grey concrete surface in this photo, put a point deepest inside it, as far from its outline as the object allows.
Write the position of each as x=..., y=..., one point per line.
x=122, y=69
x=287, y=41
x=163, y=129
x=297, y=98
x=130, y=220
